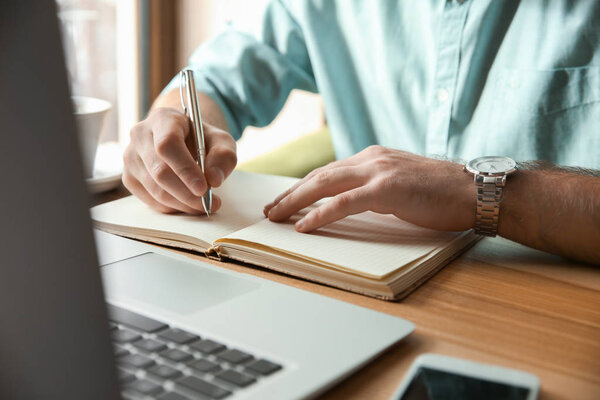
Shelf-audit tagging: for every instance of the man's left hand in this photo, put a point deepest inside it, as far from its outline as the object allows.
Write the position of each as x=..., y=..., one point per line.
x=426, y=192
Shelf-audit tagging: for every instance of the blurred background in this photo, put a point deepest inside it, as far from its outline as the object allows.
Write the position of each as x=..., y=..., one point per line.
x=126, y=51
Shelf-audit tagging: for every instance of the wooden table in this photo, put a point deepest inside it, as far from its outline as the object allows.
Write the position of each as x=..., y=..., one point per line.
x=499, y=303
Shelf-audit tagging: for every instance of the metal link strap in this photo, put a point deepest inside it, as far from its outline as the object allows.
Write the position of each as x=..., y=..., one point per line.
x=489, y=194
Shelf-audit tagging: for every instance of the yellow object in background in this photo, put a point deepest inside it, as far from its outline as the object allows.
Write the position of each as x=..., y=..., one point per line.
x=296, y=158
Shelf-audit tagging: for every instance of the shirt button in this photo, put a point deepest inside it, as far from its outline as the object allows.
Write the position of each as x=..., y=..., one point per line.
x=442, y=95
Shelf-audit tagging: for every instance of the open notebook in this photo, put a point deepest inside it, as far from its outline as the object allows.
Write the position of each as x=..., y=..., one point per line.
x=373, y=254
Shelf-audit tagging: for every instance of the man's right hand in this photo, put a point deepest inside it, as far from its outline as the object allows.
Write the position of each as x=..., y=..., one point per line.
x=161, y=170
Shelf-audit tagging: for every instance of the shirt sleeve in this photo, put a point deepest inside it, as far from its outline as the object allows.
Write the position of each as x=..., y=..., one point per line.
x=249, y=78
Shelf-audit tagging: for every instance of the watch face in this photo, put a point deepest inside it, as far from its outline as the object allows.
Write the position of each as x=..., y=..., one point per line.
x=492, y=165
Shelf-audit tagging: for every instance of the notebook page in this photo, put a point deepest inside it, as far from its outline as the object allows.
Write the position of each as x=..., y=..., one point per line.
x=244, y=196
x=367, y=244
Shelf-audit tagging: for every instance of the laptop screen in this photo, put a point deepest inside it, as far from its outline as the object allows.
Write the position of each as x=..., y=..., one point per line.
x=53, y=332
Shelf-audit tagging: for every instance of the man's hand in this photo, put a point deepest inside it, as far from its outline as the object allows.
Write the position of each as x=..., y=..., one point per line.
x=431, y=193
x=160, y=168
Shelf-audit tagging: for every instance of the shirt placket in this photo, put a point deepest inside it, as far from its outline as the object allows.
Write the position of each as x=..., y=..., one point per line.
x=452, y=24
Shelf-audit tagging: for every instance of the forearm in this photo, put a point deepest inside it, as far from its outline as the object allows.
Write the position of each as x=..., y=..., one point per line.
x=211, y=113
x=554, y=210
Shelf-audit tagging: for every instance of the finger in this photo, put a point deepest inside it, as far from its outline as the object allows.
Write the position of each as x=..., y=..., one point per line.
x=216, y=204
x=351, y=202
x=140, y=171
x=221, y=156
x=137, y=189
x=326, y=183
x=162, y=175
x=169, y=143
x=164, y=197
x=133, y=166
x=334, y=164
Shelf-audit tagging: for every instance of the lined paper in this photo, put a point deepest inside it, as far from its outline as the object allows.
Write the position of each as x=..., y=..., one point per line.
x=367, y=244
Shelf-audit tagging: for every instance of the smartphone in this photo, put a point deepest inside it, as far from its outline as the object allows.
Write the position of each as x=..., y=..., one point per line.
x=437, y=377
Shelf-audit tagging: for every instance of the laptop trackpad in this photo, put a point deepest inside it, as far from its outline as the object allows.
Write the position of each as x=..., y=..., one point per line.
x=173, y=285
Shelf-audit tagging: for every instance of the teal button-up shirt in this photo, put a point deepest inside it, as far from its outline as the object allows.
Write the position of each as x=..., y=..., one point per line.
x=436, y=77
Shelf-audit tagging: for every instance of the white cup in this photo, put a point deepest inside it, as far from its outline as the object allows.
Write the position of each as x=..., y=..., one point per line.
x=89, y=115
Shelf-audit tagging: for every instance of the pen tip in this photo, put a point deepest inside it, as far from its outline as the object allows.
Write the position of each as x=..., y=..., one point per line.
x=206, y=207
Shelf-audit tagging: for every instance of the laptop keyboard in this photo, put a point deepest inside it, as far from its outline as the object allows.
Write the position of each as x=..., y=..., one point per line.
x=157, y=361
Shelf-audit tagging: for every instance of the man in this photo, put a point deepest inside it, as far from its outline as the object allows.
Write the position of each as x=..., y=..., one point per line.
x=457, y=79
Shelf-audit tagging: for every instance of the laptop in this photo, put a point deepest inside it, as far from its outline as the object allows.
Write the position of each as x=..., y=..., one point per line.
x=88, y=315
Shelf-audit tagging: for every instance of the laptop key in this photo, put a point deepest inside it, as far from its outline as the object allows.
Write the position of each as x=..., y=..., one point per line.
x=176, y=355
x=178, y=336
x=235, y=356
x=150, y=345
x=203, y=365
x=124, y=376
x=133, y=320
x=201, y=386
x=135, y=361
x=145, y=387
x=164, y=372
x=124, y=336
x=235, y=378
x=263, y=367
x=208, y=346
x=120, y=351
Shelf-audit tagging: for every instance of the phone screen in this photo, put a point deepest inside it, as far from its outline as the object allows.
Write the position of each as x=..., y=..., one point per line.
x=432, y=384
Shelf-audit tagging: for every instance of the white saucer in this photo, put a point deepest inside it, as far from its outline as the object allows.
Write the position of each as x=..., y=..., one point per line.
x=108, y=168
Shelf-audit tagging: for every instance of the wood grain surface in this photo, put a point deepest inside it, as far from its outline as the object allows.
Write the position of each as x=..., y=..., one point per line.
x=499, y=303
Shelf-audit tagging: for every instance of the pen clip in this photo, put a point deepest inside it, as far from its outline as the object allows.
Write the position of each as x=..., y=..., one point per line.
x=182, y=87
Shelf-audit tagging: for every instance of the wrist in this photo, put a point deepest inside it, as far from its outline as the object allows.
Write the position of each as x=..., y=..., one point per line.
x=466, y=196
x=519, y=189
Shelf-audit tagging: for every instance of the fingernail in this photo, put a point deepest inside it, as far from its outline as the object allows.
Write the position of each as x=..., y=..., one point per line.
x=216, y=176
x=198, y=187
x=300, y=224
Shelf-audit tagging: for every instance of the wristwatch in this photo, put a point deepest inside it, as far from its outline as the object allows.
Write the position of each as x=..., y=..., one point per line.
x=489, y=174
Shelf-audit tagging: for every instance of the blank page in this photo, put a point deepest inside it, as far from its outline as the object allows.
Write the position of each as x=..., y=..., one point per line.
x=367, y=244
x=244, y=195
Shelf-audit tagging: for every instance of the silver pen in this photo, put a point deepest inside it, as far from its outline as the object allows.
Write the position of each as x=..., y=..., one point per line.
x=192, y=110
